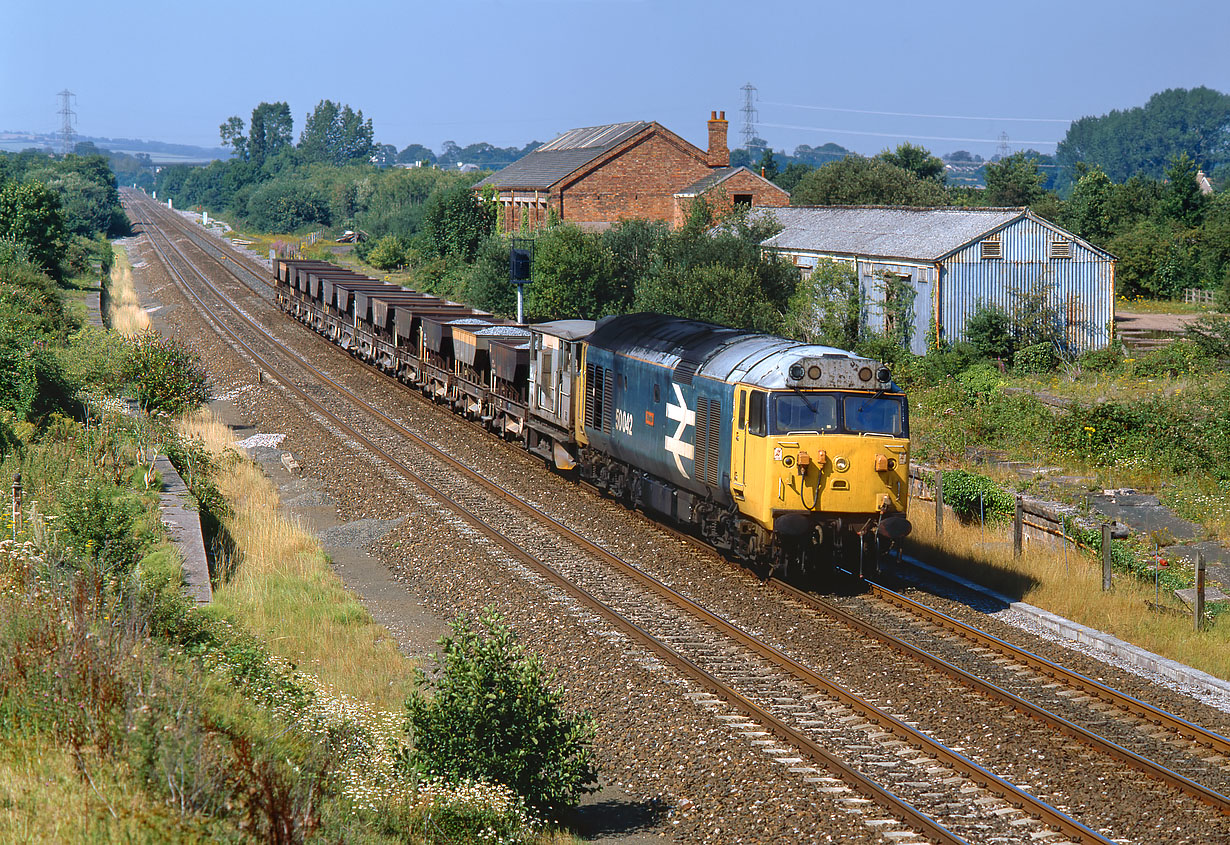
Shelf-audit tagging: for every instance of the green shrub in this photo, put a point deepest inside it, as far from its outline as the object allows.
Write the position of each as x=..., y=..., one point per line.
x=981, y=382
x=1181, y=357
x=1106, y=360
x=1036, y=358
x=388, y=253
x=492, y=717
x=167, y=373
x=1212, y=334
x=99, y=520
x=989, y=330
x=972, y=495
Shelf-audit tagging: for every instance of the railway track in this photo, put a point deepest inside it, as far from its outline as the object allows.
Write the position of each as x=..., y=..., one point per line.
x=767, y=697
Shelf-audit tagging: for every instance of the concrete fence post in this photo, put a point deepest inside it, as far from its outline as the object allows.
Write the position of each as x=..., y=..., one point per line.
x=1198, y=616
x=1105, y=557
x=1018, y=528
x=939, y=503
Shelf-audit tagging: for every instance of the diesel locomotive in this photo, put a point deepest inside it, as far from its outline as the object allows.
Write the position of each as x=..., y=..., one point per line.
x=777, y=452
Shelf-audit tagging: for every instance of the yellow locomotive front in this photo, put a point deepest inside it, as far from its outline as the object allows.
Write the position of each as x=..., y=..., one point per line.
x=822, y=457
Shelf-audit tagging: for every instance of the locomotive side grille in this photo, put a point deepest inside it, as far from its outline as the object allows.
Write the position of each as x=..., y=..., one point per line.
x=700, y=447
x=608, y=402
x=713, y=438
x=684, y=371
x=590, y=390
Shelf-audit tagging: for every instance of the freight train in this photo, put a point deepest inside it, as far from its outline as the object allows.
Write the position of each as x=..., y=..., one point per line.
x=776, y=452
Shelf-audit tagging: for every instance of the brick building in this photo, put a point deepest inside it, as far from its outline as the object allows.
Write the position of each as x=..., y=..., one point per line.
x=599, y=175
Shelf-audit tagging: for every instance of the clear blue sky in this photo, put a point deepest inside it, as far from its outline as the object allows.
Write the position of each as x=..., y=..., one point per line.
x=510, y=71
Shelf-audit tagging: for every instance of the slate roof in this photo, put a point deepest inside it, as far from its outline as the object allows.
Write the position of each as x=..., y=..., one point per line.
x=562, y=156
x=711, y=180
x=882, y=231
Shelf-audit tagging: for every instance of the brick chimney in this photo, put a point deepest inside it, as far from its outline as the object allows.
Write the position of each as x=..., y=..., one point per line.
x=719, y=152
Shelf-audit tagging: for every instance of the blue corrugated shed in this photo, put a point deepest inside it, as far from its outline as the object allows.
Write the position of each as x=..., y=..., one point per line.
x=958, y=260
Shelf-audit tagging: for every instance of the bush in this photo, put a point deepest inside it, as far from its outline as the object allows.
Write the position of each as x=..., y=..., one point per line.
x=494, y=718
x=167, y=374
x=1106, y=360
x=1212, y=334
x=1181, y=357
x=970, y=494
x=981, y=382
x=99, y=522
x=989, y=329
x=388, y=253
x=1035, y=358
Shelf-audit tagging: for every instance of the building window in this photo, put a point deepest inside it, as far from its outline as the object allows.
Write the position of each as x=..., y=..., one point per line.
x=1061, y=248
x=992, y=247
x=744, y=200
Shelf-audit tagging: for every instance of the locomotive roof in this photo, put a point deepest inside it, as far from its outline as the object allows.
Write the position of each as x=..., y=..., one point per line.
x=704, y=349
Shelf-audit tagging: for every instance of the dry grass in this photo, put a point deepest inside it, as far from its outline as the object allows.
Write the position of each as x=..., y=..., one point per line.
x=1070, y=586
x=124, y=312
x=284, y=590
x=45, y=797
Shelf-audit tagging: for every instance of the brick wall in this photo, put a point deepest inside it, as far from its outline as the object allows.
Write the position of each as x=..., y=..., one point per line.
x=640, y=181
x=722, y=198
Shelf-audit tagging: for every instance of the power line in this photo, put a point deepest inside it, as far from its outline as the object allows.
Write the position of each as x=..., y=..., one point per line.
x=915, y=114
x=899, y=135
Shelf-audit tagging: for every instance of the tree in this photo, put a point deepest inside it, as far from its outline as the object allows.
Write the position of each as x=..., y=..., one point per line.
x=792, y=175
x=1142, y=140
x=286, y=205
x=493, y=716
x=30, y=215
x=719, y=273
x=232, y=135
x=456, y=221
x=916, y=160
x=827, y=307
x=573, y=276
x=1014, y=181
x=272, y=130
x=1088, y=210
x=866, y=181
x=416, y=152
x=336, y=134
x=1181, y=198
x=768, y=165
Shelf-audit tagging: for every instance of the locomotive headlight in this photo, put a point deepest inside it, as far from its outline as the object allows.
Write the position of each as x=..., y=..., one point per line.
x=813, y=372
x=883, y=374
x=796, y=372
x=841, y=464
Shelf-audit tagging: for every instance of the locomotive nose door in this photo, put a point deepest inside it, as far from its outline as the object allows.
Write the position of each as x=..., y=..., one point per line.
x=738, y=449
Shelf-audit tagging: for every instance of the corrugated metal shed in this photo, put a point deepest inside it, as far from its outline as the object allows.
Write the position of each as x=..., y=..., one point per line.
x=958, y=260
x=919, y=233
x=562, y=156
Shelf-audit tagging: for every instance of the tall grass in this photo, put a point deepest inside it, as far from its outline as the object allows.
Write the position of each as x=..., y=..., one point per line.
x=1071, y=586
x=124, y=312
x=281, y=587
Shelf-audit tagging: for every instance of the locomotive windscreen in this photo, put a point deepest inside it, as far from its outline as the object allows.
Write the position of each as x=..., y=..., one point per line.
x=873, y=415
x=804, y=412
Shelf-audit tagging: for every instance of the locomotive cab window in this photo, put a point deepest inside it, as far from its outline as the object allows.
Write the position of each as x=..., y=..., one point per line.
x=756, y=416
x=799, y=412
x=874, y=415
